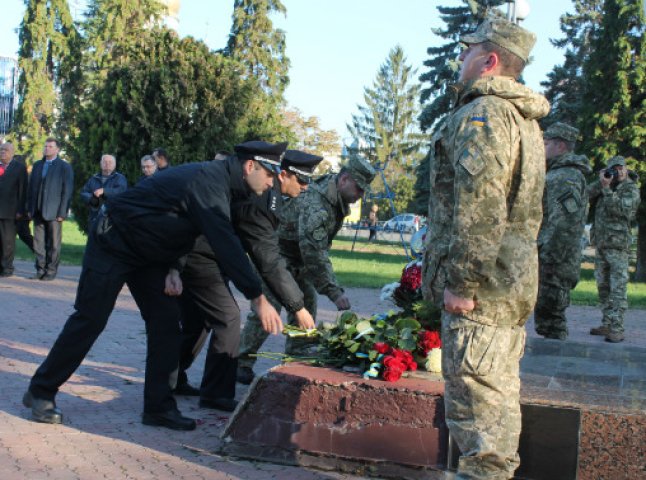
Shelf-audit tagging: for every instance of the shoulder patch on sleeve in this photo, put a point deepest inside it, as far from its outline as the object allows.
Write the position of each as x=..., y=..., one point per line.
x=471, y=159
x=478, y=120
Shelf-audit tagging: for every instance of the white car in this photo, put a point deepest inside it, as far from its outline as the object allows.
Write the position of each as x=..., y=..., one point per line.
x=405, y=222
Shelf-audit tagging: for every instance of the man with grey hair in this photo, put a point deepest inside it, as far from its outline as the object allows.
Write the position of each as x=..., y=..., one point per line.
x=13, y=189
x=148, y=167
x=106, y=184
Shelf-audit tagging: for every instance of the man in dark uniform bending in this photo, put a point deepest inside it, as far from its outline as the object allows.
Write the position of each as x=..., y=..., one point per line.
x=135, y=240
x=207, y=302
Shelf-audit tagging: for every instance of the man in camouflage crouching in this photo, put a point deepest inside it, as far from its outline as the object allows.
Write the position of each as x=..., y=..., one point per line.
x=565, y=208
x=481, y=262
x=308, y=224
x=616, y=198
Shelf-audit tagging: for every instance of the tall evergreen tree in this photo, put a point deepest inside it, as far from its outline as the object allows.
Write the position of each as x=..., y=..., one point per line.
x=260, y=49
x=47, y=41
x=613, y=108
x=564, y=84
x=385, y=129
x=177, y=94
x=443, y=71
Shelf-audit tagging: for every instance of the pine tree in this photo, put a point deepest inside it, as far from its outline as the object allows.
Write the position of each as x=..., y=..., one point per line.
x=260, y=50
x=613, y=108
x=564, y=85
x=385, y=128
x=47, y=40
x=443, y=71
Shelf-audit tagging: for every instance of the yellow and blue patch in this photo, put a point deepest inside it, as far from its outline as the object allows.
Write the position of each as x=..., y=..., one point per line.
x=478, y=121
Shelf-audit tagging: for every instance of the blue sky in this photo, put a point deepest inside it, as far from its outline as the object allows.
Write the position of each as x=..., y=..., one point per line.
x=337, y=46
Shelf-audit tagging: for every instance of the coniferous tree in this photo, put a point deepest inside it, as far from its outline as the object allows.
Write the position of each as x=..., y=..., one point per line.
x=385, y=129
x=564, y=84
x=47, y=41
x=177, y=94
x=613, y=108
x=443, y=71
x=260, y=49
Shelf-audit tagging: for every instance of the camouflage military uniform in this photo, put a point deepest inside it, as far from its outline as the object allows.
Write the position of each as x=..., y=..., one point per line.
x=308, y=224
x=615, y=210
x=487, y=175
x=565, y=208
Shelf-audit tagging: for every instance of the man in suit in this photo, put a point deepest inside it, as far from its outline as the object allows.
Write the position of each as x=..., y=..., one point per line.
x=48, y=200
x=13, y=188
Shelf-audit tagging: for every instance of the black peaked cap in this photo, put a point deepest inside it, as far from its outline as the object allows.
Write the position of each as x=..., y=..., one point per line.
x=300, y=162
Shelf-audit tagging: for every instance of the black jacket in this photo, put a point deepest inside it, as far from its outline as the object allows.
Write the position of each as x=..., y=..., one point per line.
x=51, y=196
x=113, y=185
x=158, y=220
x=256, y=222
x=13, y=190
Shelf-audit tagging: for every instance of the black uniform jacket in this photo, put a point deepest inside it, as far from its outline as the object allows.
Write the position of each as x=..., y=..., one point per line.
x=256, y=221
x=13, y=190
x=158, y=220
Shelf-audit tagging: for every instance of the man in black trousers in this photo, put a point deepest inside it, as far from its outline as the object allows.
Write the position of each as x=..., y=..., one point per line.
x=13, y=191
x=48, y=200
x=135, y=240
x=207, y=302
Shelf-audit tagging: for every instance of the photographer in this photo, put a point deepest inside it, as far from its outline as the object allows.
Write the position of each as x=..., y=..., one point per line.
x=616, y=198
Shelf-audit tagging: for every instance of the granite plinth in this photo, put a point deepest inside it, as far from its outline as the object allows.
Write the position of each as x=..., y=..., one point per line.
x=583, y=418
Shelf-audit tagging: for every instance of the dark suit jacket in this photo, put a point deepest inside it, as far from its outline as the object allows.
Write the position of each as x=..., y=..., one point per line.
x=56, y=189
x=13, y=190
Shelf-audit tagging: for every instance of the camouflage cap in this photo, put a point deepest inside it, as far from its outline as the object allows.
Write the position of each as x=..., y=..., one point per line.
x=616, y=160
x=361, y=171
x=505, y=34
x=562, y=131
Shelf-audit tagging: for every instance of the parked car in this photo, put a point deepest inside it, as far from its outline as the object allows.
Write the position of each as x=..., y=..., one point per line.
x=404, y=222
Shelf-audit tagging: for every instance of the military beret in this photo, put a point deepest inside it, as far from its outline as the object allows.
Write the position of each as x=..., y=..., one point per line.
x=269, y=155
x=300, y=163
x=361, y=171
x=505, y=34
x=616, y=160
x=562, y=131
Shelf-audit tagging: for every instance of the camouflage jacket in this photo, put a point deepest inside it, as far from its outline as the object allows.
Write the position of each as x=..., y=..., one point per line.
x=308, y=224
x=565, y=209
x=487, y=176
x=615, y=210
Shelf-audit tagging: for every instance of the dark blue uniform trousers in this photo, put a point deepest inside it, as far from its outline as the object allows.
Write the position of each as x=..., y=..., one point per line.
x=102, y=278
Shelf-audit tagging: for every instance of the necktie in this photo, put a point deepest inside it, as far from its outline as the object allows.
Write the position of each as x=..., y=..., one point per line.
x=46, y=167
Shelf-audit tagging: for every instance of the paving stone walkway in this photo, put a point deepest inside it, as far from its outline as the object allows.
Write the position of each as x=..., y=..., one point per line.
x=103, y=436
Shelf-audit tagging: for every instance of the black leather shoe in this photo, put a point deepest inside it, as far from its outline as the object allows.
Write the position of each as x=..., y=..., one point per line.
x=48, y=277
x=43, y=411
x=37, y=276
x=172, y=419
x=219, y=403
x=245, y=375
x=187, y=390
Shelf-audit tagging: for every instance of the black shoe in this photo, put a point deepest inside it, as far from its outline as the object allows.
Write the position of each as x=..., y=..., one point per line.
x=187, y=390
x=245, y=375
x=6, y=274
x=37, y=276
x=172, y=419
x=43, y=411
x=219, y=403
x=48, y=277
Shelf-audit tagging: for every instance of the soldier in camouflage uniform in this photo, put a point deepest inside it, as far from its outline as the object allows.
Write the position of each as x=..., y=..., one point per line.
x=616, y=198
x=481, y=261
x=565, y=208
x=308, y=224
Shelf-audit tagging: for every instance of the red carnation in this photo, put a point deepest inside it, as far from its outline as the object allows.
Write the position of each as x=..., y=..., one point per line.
x=381, y=347
x=393, y=368
x=411, y=278
x=428, y=340
x=406, y=358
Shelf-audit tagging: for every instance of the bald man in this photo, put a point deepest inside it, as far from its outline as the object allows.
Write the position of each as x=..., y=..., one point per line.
x=13, y=191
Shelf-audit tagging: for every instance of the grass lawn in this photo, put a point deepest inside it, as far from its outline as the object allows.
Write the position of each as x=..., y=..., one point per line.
x=370, y=265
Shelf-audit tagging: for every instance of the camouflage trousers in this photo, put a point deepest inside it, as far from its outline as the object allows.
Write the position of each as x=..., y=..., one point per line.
x=611, y=274
x=253, y=335
x=480, y=365
x=549, y=313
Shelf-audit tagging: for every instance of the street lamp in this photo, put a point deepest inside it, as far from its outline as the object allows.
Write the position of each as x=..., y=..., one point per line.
x=517, y=10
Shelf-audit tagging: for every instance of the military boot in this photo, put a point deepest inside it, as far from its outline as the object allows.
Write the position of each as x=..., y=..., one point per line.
x=602, y=330
x=614, y=337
